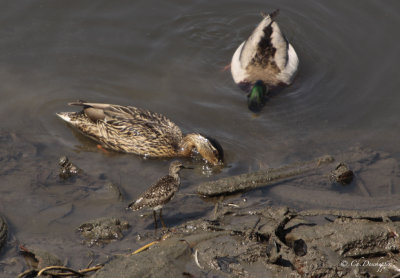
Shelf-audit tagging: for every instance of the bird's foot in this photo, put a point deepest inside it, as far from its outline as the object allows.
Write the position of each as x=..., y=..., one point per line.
x=100, y=147
x=226, y=68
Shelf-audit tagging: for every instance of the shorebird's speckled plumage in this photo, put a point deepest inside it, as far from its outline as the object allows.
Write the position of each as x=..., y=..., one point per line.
x=139, y=131
x=160, y=193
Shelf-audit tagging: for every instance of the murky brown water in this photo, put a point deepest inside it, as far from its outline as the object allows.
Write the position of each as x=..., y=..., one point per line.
x=168, y=57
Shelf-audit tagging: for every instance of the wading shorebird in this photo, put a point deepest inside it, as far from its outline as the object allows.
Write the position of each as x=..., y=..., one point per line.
x=264, y=61
x=160, y=193
x=134, y=130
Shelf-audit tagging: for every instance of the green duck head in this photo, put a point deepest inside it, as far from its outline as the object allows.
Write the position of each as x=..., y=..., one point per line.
x=256, y=97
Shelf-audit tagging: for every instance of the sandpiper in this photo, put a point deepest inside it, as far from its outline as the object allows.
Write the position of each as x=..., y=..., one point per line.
x=160, y=193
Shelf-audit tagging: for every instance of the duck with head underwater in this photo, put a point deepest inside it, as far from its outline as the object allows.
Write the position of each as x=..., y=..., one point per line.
x=133, y=130
x=256, y=97
x=265, y=61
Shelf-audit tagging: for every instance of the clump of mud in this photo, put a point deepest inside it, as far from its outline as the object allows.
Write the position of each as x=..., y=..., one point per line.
x=67, y=168
x=103, y=230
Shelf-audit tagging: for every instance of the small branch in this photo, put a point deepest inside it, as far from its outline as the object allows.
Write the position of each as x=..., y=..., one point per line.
x=147, y=246
x=26, y=272
x=351, y=213
x=257, y=179
x=94, y=268
x=74, y=272
x=71, y=272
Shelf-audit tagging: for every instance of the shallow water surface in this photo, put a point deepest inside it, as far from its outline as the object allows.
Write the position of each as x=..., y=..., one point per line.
x=168, y=57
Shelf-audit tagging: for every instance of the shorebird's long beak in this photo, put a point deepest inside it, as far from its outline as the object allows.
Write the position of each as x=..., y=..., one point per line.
x=186, y=167
x=129, y=207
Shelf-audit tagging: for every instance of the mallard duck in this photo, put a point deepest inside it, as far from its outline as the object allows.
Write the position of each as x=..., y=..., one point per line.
x=265, y=59
x=139, y=131
x=160, y=193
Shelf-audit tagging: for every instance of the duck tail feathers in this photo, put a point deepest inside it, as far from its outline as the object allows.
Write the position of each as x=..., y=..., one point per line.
x=271, y=15
x=66, y=116
x=78, y=103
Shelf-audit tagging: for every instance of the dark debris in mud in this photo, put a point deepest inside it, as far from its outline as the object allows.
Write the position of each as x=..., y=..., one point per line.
x=342, y=174
x=67, y=168
x=3, y=232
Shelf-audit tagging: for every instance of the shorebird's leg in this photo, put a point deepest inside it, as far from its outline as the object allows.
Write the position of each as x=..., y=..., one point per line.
x=162, y=220
x=155, y=220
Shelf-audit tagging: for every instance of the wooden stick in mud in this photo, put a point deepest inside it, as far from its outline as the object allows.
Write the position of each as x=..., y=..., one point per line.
x=253, y=180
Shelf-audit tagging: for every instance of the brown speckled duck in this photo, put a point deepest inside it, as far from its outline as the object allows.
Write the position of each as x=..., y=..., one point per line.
x=133, y=130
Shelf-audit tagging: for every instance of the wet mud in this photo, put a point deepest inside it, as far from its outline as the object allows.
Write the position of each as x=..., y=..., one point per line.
x=236, y=239
x=36, y=260
x=270, y=242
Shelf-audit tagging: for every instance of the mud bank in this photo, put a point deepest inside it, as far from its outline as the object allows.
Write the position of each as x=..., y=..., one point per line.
x=236, y=239
x=271, y=242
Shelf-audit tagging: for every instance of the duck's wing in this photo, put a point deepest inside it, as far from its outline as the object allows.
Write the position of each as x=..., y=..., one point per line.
x=150, y=126
x=129, y=117
x=131, y=129
x=107, y=112
x=157, y=194
x=111, y=112
x=267, y=47
x=160, y=133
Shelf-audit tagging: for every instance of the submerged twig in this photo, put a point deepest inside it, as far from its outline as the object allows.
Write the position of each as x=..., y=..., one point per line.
x=351, y=213
x=26, y=272
x=253, y=180
x=73, y=272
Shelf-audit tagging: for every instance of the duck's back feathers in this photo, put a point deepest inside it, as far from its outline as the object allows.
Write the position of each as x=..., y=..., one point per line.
x=266, y=55
x=266, y=47
x=127, y=129
x=109, y=112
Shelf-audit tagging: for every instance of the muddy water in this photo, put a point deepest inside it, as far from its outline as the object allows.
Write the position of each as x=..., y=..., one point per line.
x=168, y=56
